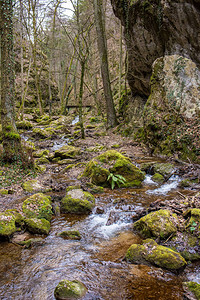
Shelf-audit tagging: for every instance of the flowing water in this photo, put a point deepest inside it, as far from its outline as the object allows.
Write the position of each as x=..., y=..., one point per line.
x=96, y=259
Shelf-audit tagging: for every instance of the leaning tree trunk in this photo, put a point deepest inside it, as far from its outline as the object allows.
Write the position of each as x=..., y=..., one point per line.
x=11, y=138
x=102, y=47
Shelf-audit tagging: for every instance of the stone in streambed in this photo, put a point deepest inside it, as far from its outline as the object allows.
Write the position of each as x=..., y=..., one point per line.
x=40, y=226
x=66, y=290
x=7, y=224
x=151, y=252
x=38, y=206
x=70, y=235
x=157, y=224
x=77, y=201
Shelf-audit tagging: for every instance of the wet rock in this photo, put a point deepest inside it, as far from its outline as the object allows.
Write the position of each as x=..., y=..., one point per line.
x=31, y=242
x=66, y=290
x=70, y=235
x=194, y=287
x=40, y=153
x=40, y=226
x=34, y=186
x=43, y=133
x=7, y=224
x=151, y=252
x=67, y=152
x=165, y=169
x=161, y=223
x=114, y=163
x=19, y=219
x=77, y=201
x=24, y=124
x=38, y=206
x=158, y=178
x=100, y=210
x=3, y=192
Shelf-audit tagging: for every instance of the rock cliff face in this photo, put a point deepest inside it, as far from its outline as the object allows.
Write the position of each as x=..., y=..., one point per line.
x=155, y=28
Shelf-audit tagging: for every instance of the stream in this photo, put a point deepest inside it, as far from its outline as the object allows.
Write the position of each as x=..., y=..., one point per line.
x=96, y=259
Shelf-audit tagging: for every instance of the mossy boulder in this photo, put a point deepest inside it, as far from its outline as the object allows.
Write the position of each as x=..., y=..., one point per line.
x=24, y=124
x=160, y=224
x=67, y=152
x=77, y=201
x=70, y=235
x=19, y=219
x=151, y=252
x=34, y=186
x=113, y=162
x=66, y=290
x=3, y=192
x=158, y=178
x=40, y=153
x=43, y=133
x=41, y=161
x=38, y=206
x=165, y=169
x=40, y=226
x=7, y=224
x=194, y=287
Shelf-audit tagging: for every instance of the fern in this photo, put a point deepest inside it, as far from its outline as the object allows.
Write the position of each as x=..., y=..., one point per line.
x=115, y=179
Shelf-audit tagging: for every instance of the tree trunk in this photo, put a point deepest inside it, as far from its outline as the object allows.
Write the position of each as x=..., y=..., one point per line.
x=11, y=138
x=81, y=99
x=102, y=47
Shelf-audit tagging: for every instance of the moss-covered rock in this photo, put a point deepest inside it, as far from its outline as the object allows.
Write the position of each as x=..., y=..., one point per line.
x=67, y=152
x=7, y=224
x=158, y=178
x=34, y=186
x=193, y=222
x=43, y=133
x=24, y=124
x=19, y=219
x=160, y=224
x=40, y=226
x=67, y=290
x=165, y=169
x=77, y=201
x=113, y=162
x=30, y=242
x=38, y=206
x=194, y=287
x=3, y=192
x=41, y=161
x=40, y=153
x=70, y=235
x=151, y=252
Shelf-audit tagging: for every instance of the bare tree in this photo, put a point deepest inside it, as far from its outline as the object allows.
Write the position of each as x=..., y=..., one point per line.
x=102, y=47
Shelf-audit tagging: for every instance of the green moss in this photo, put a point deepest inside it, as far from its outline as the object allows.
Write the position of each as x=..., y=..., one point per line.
x=12, y=135
x=7, y=224
x=67, y=152
x=99, y=168
x=157, y=224
x=30, y=242
x=158, y=177
x=78, y=202
x=135, y=254
x=70, y=290
x=24, y=124
x=41, y=161
x=40, y=226
x=3, y=192
x=38, y=206
x=194, y=288
x=19, y=219
x=41, y=153
x=163, y=256
x=34, y=186
x=70, y=235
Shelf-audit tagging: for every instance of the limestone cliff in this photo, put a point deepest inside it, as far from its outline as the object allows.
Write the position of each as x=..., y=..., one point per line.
x=155, y=28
